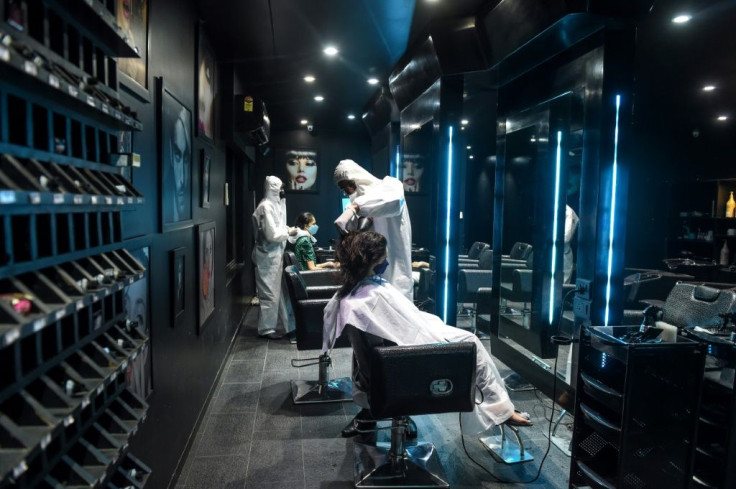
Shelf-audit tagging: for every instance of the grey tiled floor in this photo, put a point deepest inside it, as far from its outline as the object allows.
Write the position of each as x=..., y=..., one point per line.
x=253, y=436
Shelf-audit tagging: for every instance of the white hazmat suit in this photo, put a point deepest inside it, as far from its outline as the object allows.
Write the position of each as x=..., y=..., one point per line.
x=571, y=225
x=383, y=200
x=374, y=306
x=270, y=231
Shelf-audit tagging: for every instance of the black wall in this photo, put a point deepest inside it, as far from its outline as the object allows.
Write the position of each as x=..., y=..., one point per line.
x=185, y=361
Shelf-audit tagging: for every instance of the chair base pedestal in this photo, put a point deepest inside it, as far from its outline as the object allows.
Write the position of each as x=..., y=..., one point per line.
x=421, y=467
x=504, y=452
x=311, y=392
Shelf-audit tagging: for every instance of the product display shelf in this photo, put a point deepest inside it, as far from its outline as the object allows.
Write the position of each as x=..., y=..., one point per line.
x=94, y=19
x=635, y=411
x=716, y=441
x=54, y=293
x=40, y=183
x=25, y=64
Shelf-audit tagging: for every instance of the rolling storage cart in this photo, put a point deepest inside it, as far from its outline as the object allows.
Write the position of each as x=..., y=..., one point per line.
x=66, y=345
x=635, y=411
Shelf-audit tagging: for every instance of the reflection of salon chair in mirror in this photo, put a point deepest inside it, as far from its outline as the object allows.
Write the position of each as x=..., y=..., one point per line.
x=402, y=381
x=471, y=280
x=423, y=273
x=705, y=270
x=471, y=259
x=517, y=293
x=309, y=293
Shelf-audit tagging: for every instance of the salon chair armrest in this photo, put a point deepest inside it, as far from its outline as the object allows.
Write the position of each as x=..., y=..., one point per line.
x=316, y=278
x=467, y=265
x=322, y=291
x=469, y=281
x=507, y=269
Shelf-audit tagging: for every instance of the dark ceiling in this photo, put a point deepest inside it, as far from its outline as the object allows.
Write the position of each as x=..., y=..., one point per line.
x=273, y=44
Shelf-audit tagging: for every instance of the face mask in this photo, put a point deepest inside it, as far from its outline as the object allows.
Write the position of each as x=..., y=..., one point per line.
x=381, y=267
x=313, y=229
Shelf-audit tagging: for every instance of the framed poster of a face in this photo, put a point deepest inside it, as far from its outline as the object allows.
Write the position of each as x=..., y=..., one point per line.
x=206, y=261
x=175, y=141
x=206, y=86
x=298, y=169
x=132, y=17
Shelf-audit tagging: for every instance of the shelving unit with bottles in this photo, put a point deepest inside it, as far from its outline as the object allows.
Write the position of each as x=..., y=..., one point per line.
x=699, y=227
x=66, y=412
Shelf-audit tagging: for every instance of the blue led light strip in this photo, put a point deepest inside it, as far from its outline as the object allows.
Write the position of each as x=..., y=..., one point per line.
x=447, y=225
x=398, y=159
x=613, y=210
x=558, y=161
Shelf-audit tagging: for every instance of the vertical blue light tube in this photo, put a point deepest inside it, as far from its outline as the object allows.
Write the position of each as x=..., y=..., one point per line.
x=448, y=217
x=398, y=162
x=614, y=176
x=558, y=164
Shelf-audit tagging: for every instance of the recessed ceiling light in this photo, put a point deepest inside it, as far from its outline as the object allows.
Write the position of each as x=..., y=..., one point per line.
x=415, y=126
x=304, y=122
x=464, y=122
x=330, y=51
x=468, y=147
x=351, y=116
x=309, y=79
x=681, y=19
x=319, y=98
x=709, y=88
x=373, y=81
x=471, y=157
x=462, y=128
x=722, y=117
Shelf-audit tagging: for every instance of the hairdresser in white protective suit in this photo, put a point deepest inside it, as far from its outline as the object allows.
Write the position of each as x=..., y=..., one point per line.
x=383, y=201
x=571, y=225
x=370, y=304
x=271, y=232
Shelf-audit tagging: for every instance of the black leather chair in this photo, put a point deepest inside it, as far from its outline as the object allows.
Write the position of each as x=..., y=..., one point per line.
x=408, y=380
x=470, y=261
x=470, y=280
x=519, y=290
x=691, y=305
x=309, y=293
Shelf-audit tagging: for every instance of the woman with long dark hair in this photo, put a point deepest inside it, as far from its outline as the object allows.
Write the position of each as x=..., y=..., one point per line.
x=371, y=304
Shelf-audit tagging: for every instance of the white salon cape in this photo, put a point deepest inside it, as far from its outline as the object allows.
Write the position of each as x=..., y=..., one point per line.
x=571, y=225
x=383, y=200
x=270, y=231
x=374, y=306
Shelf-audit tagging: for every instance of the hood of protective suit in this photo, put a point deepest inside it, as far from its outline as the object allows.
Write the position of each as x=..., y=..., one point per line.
x=300, y=233
x=350, y=170
x=271, y=188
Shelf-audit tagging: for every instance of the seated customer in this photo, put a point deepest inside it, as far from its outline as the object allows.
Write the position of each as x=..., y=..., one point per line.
x=303, y=243
x=371, y=304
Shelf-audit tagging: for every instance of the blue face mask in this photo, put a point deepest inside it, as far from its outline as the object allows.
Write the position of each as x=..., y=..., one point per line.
x=381, y=267
x=313, y=229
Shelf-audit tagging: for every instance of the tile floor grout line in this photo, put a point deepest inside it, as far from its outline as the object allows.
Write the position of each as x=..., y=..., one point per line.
x=255, y=420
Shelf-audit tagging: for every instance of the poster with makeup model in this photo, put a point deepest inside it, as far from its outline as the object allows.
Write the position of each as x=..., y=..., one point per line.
x=298, y=169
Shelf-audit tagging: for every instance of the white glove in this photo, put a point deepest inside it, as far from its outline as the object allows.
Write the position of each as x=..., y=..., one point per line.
x=293, y=230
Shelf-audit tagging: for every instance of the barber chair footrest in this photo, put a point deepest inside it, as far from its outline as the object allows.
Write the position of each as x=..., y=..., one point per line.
x=504, y=451
x=310, y=392
x=422, y=467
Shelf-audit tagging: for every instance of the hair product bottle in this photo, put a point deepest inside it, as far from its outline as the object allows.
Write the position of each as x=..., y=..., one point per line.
x=730, y=205
x=724, y=254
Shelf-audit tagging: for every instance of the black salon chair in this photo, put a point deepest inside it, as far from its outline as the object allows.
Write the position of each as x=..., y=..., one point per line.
x=519, y=289
x=408, y=380
x=471, y=280
x=309, y=293
x=470, y=261
x=691, y=305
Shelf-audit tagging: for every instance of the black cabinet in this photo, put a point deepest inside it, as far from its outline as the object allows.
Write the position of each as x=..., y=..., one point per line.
x=635, y=411
x=66, y=345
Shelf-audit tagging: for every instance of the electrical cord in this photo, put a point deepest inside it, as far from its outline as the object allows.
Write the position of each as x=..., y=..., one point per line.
x=557, y=339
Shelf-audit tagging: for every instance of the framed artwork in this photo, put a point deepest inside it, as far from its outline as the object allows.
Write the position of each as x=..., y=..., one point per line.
x=178, y=258
x=206, y=261
x=205, y=163
x=132, y=17
x=206, y=86
x=415, y=172
x=412, y=173
x=298, y=169
x=135, y=307
x=175, y=150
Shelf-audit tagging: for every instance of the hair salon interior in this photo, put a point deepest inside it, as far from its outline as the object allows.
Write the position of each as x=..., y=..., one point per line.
x=566, y=168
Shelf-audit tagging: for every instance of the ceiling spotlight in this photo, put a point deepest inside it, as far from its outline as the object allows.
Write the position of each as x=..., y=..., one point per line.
x=351, y=116
x=681, y=19
x=415, y=126
x=471, y=157
x=309, y=79
x=330, y=51
x=373, y=81
x=464, y=122
x=709, y=88
x=722, y=117
x=319, y=98
x=468, y=147
x=462, y=128
x=304, y=122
